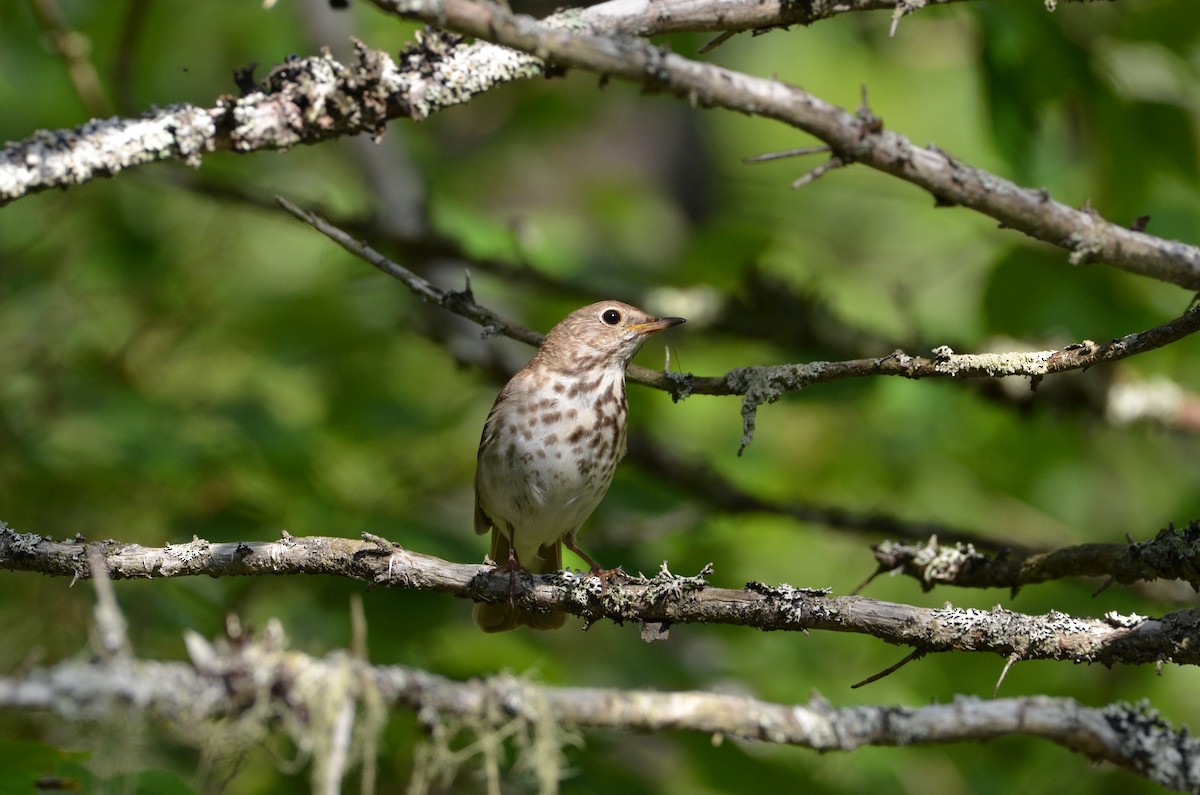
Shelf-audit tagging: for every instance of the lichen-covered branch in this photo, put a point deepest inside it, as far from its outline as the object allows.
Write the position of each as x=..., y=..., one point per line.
x=767, y=383
x=303, y=101
x=308, y=100
x=659, y=601
x=1172, y=554
x=252, y=686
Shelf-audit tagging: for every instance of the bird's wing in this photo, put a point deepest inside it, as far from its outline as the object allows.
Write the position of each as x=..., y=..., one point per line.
x=483, y=522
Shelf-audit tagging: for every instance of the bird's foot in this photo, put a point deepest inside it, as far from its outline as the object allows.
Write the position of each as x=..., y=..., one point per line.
x=513, y=566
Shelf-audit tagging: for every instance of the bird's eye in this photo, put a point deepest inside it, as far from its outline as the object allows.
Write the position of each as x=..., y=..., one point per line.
x=611, y=316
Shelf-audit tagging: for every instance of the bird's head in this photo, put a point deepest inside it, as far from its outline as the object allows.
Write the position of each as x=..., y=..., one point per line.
x=604, y=334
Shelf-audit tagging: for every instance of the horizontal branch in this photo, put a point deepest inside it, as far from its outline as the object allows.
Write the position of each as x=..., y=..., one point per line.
x=1172, y=555
x=661, y=601
x=767, y=383
x=258, y=681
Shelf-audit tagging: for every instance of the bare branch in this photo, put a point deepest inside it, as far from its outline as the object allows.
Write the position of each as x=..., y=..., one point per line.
x=461, y=303
x=310, y=100
x=1159, y=401
x=766, y=384
x=664, y=599
x=251, y=681
x=853, y=137
x=1172, y=555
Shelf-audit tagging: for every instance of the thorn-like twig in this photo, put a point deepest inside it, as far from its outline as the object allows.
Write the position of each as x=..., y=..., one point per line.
x=870, y=579
x=1012, y=658
x=891, y=669
x=818, y=172
x=716, y=42
x=799, y=151
x=903, y=9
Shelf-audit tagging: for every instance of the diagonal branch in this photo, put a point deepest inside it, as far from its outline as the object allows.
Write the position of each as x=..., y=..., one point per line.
x=310, y=100
x=767, y=383
x=664, y=599
x=461, y=303
x=853, y=137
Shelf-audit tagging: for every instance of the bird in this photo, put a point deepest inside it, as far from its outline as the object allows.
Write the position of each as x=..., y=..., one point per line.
x=551, y=444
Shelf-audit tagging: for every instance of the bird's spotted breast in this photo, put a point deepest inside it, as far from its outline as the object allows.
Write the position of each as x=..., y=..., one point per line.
x=552, y=442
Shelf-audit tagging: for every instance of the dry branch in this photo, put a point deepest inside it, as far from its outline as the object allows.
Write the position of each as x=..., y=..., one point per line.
x=249, y=684
x=664, y=599
x=310, y=100
x=1172, y=554
x=857, y=137
x=767, y=383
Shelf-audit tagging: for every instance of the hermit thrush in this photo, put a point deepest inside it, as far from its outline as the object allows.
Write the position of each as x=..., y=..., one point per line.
x=551, y=444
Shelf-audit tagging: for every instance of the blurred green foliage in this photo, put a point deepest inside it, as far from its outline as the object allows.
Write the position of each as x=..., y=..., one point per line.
x=176, y=361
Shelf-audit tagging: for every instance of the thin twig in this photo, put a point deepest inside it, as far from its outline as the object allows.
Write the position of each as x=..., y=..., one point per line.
x=816, y=173
x=799, y=151
x=1012, y=659
x=891, y=669
x=460, y=303
x=716, y=41
x=111, y=628
x=75, y=50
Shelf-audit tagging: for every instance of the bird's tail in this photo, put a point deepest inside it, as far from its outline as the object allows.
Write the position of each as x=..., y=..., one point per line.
x=505, y=616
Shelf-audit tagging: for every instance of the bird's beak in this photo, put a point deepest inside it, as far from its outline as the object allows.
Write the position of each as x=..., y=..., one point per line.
x=652, y=326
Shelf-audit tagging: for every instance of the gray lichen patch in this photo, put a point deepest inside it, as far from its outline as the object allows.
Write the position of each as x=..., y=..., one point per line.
x=766, y=384
x=991, y=364
x=440, y=72
x=931, y=563
x=1164, y=755
x=104, y=147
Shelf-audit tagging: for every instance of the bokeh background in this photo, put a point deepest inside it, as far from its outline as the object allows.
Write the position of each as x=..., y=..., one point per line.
x=178, y=357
